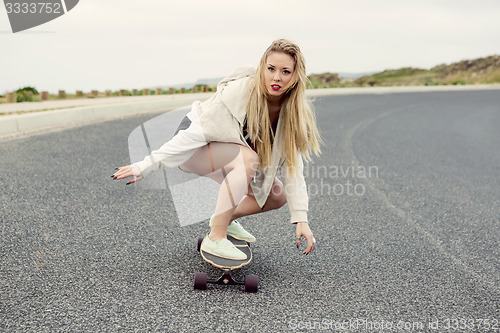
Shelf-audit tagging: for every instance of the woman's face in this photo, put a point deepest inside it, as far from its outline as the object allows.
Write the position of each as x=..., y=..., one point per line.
x=278, y=73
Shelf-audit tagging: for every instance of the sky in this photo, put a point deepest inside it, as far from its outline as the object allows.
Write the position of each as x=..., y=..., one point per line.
x=125, y=44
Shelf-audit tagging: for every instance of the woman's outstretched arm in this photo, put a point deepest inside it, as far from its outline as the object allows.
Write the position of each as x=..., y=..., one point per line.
x=298, y=202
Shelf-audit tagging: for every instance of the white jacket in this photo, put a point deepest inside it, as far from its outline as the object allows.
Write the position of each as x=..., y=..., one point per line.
x=221, y=119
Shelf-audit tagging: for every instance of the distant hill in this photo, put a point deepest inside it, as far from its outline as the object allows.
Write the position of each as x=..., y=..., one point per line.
x=482, y=70
x=325, y=80
x=189, y=85
x=334, y=80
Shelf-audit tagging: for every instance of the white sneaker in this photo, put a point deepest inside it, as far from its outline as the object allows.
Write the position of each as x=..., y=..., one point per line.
x=222, y=248
x=236, y=230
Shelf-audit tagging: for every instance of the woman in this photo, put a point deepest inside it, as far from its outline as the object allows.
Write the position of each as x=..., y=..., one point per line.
x=257, y=123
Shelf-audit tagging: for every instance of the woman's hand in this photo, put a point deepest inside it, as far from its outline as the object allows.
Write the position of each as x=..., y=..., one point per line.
x=128, y=171
x=302, y=229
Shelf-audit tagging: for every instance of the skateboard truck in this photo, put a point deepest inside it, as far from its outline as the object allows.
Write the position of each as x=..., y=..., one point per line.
x=226, y=278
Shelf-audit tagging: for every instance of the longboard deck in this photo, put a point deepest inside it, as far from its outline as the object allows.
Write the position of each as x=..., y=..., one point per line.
x=229, y=263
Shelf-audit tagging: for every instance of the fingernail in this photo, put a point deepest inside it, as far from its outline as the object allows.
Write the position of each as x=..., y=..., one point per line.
x=307, y=253
x=117, y=169
x=128, y=183
x=115, y=178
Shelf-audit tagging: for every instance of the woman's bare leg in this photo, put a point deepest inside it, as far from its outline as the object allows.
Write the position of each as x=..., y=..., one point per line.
x=249, y=206
x=232, y=166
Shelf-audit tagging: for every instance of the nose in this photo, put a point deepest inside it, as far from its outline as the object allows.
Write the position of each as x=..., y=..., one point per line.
x=277, y=77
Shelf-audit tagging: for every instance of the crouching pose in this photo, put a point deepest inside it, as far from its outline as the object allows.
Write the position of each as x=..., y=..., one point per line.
x=258, y=122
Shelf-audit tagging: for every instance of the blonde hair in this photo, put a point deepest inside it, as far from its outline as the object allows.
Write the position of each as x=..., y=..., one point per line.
x=298, y=122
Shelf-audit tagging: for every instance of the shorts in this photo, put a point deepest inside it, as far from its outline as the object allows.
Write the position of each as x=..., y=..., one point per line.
x=184, y=125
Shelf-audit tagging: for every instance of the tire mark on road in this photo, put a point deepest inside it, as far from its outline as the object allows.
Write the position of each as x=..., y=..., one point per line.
x=348, y=147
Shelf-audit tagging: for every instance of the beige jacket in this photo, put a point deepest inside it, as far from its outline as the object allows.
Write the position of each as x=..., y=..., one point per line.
x=221, y=119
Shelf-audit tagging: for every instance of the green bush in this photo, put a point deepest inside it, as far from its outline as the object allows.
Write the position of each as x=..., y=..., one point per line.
x=26, y=94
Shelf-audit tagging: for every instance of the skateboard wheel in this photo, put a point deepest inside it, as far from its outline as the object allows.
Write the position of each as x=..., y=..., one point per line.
x=251, y=283
x=200, y=281
x=199, y=243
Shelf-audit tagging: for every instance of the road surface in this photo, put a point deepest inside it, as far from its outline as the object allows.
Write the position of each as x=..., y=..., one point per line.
x=404, y=204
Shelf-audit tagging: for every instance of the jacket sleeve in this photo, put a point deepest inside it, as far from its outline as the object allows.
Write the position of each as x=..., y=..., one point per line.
x=174, y=152
x=296, y=192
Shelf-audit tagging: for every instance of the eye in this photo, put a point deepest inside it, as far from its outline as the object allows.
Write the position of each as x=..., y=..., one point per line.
x=270, y=68
x=287, y=72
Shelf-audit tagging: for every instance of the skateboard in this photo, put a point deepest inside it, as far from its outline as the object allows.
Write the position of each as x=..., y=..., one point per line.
x=251, y=282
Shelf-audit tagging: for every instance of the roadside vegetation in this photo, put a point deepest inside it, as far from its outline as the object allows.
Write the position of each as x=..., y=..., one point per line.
x=478, y=71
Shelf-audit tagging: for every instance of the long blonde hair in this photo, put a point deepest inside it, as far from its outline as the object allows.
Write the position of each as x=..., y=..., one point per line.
x=298, y=122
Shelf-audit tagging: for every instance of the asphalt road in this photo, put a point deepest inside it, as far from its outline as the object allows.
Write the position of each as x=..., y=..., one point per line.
x=404, y=204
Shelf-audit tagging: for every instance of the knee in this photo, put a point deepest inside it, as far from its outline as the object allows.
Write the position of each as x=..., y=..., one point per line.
x=277, y=197
x=251, y=160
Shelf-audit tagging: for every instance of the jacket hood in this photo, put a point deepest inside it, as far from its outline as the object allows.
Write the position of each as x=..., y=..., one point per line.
x=234, y=90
